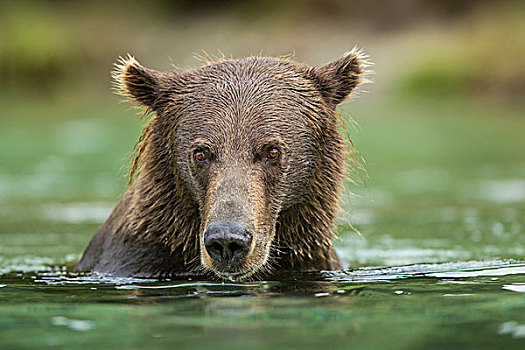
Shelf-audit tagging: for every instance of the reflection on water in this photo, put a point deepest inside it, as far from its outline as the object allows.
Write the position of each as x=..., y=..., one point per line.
x=503, y=191
x=512, y=328
x=515, y=287
x=368, y=307
x=76, y=325
x=444, y=270
x=78, y=212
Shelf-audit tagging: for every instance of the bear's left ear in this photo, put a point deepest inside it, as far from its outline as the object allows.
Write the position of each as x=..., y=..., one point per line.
x=337, y=79
x=141, y=84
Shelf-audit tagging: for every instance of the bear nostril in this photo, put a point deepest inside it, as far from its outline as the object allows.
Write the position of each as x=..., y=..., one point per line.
x=233, y=247
x=227, y=244
x=217, y=248
x=226, y=251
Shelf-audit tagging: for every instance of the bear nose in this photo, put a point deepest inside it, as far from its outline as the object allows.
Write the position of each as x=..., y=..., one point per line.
x=227, y=243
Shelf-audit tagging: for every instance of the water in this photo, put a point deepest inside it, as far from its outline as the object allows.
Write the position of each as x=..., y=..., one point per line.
x=460, y=305
x=441, y=263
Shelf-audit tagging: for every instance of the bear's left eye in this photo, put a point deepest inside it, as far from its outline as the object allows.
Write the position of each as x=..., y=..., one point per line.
x=273, y=153
x=199, y=155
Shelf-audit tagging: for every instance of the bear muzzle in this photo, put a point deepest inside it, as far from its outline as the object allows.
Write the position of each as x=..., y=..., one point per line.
x=227, y=243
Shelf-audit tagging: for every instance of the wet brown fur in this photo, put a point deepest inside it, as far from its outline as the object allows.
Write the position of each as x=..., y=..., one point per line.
x=233, y=108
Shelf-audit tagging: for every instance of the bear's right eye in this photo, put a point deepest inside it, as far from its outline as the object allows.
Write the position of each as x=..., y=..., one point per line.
x=199, y=155
x=273, y=153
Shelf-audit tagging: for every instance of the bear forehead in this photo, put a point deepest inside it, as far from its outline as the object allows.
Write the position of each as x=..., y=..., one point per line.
x=256, y=77
x=248, y=92
x=244, y=126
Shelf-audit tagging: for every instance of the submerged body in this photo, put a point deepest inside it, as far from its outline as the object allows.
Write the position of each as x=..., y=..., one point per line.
x=236, y=175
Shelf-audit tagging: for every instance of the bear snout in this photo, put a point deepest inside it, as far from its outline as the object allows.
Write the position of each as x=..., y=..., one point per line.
x=227, y=243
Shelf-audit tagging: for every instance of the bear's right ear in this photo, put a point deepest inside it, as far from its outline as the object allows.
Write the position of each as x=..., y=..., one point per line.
x=132, y=80
x=336, y=80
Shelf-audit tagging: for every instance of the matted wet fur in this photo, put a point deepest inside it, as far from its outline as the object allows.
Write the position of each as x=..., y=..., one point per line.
x=253, y=144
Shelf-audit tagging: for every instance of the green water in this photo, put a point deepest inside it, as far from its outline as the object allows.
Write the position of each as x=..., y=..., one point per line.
x=441, y=264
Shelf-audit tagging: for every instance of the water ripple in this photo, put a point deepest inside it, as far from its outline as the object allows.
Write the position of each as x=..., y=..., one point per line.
x=444, y=270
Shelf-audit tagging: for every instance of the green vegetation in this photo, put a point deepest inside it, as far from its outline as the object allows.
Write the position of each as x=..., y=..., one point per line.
x=483, y=56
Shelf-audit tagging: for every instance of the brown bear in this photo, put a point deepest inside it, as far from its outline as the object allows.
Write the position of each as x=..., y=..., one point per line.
x=237, y=174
